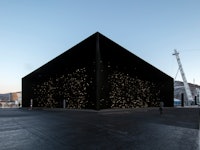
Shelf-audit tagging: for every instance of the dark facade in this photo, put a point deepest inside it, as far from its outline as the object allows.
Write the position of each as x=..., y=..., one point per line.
x=97, y=74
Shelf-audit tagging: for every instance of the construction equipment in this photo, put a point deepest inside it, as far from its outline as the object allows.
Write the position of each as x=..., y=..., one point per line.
x=187, y=88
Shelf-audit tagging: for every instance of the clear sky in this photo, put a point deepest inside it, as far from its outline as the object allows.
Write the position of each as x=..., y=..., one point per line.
x=32, y=32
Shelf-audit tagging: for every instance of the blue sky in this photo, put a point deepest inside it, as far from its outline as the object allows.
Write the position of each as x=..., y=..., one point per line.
x=32, y=32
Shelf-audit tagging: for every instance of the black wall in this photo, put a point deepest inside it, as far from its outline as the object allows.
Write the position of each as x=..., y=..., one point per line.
x=97, y=74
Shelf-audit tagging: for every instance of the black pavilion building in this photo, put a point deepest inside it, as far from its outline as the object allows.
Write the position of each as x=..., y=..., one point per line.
x=97, y=74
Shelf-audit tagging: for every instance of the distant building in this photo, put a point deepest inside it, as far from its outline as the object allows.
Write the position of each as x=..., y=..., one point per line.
x=16, y=97
x=97, y=74
x=10, y=100
x=179, y=91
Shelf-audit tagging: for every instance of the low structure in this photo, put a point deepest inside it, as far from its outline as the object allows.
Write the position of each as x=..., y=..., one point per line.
x=97, y=74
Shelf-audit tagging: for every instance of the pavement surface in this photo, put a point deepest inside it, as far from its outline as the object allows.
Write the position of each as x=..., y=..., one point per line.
x=138, y=129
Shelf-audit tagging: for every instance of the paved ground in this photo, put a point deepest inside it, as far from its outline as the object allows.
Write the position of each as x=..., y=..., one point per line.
x=140, y=129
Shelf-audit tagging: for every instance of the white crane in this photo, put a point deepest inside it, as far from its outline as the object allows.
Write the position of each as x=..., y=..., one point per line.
x=187, y=88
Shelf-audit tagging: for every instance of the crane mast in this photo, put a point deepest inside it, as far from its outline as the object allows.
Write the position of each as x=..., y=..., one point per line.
x=187, y=88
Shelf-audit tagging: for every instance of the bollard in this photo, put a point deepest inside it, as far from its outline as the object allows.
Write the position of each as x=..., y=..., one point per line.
x=64, y=103
x=182, y=99
x=31, y=103
x=161, y=107
x=195, y=100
